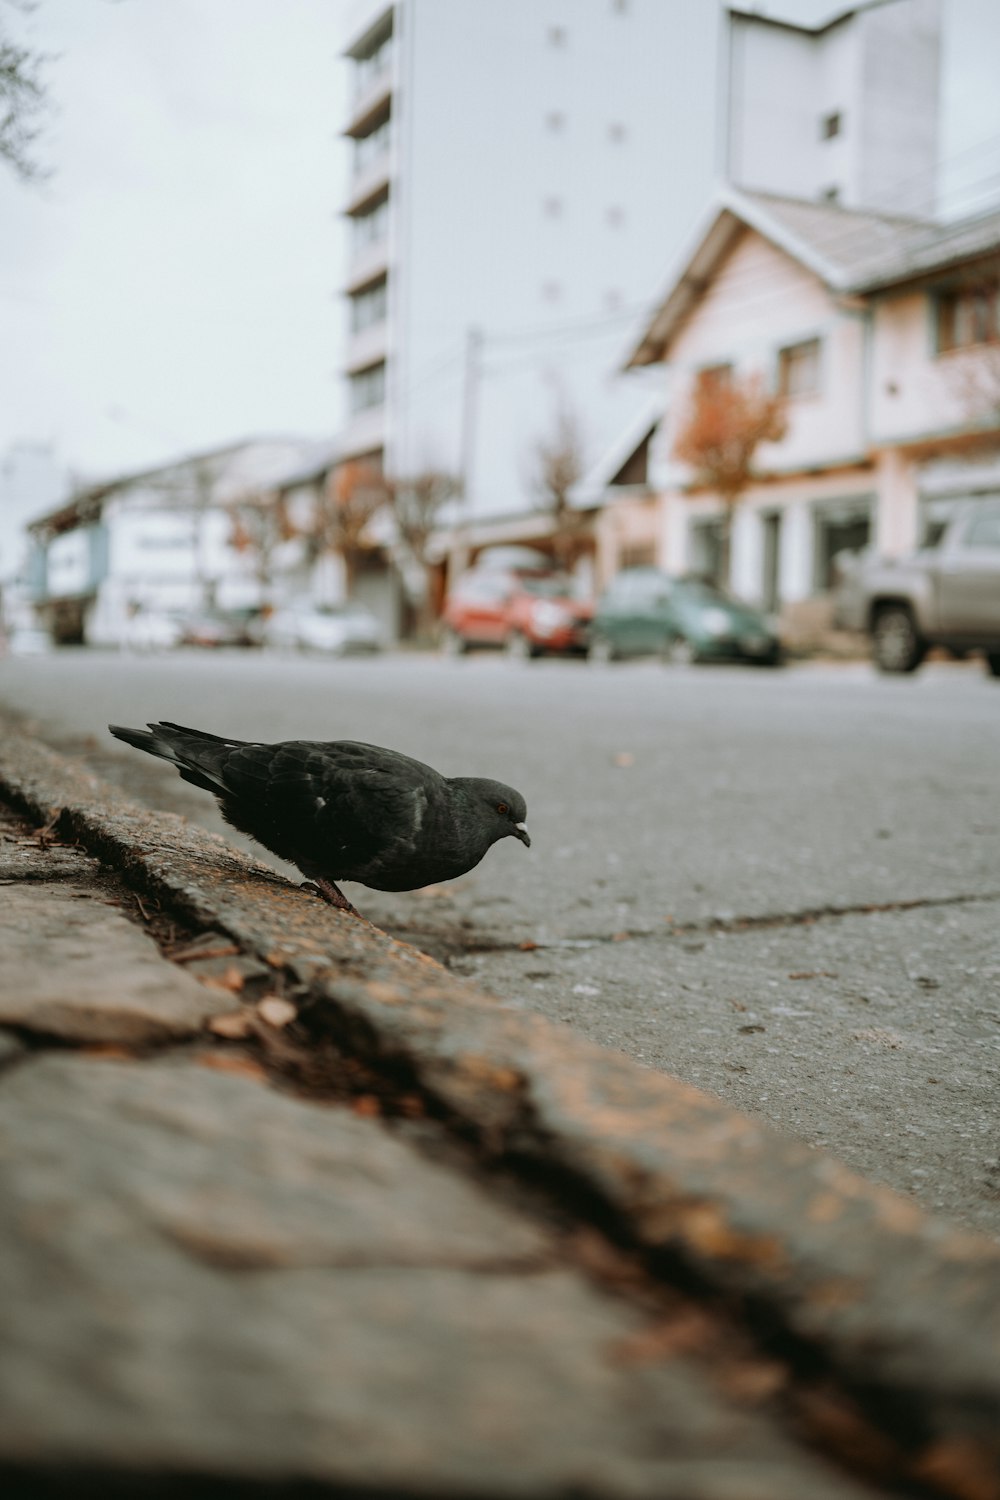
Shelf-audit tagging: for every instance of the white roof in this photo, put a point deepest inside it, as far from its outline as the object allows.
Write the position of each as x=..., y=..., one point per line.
x=853, y=251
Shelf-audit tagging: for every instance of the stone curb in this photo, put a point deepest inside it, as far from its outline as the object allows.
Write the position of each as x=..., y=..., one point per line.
x=852, y=1278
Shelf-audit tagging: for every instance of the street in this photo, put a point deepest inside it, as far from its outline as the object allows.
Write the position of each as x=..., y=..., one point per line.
x=781, y=887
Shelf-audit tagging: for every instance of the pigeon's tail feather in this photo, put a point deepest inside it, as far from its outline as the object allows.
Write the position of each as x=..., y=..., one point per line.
x=195, y=734
x=142, y=740
x=162, y=740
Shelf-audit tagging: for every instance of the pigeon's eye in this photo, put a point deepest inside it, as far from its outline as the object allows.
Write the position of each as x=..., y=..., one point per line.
x=502, y=807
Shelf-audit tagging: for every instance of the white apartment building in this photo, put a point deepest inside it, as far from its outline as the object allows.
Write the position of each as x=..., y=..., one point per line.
x=518, y=178
x=846, y=112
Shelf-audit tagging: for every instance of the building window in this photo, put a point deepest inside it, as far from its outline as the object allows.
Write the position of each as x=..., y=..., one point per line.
x=798, y=369
x=367, y=148
x=705, y=551
x=638, y=555
x=375, y=60
x=369, y=307
x=966, y=316
x=366, y=388
x=839, y=530
x=371, y=226
x=830, y=125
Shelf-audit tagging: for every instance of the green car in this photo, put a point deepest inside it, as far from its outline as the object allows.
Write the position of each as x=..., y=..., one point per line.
x=647, y=612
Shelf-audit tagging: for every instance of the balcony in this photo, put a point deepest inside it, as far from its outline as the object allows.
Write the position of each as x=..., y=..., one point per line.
x=370, y=182
x=363, y=432
x=366, y=264
x=371, y=100
x=367, y=347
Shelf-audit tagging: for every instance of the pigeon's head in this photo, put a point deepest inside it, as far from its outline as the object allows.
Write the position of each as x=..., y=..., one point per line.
x=501, y=810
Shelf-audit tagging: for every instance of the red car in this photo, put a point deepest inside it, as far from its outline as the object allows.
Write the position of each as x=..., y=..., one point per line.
x=526, y=611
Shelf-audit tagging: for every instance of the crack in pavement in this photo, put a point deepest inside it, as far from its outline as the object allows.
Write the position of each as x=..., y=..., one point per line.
x=671, y=929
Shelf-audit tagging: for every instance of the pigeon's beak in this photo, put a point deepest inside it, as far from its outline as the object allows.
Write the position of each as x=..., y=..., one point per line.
x=521, y=832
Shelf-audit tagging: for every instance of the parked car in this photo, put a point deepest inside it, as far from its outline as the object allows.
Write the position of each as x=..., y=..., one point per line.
x=26, y=640
x=648, y=612
x=152, y=630
x=223, y=627
x=337, y=629
x=526, y=610
x=947, y=594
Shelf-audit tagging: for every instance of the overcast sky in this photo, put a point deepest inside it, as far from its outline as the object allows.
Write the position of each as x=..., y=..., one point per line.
x=174, y=285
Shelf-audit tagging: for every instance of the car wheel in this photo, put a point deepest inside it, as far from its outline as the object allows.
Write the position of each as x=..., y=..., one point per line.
x=774, y=658
x=518, y=648
x=896, y=646
x=679, y=652
x=601, y=652
x=453, y=644
x=993, y=663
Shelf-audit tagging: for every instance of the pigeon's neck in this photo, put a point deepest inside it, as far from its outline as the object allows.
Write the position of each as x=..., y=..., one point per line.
x=470, y=801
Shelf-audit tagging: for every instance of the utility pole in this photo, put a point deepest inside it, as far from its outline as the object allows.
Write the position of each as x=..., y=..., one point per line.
x=470, y=411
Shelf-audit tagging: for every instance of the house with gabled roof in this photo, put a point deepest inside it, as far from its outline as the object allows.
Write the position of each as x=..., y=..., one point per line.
x=152, y=543
x=821, y=266
x=880, y=332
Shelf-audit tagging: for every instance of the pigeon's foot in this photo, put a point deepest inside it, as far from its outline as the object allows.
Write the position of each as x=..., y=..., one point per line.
x=331, y=894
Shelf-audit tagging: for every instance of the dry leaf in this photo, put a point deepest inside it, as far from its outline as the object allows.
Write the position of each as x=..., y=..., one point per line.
x=231, y=980
x=235, y=1025
x=275, y=1011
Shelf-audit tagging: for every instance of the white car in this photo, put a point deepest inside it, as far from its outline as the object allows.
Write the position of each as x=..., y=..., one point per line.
x=335, y=629
x=26, y=640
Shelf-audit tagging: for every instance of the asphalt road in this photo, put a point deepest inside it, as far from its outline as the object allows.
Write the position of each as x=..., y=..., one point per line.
x=783, y=887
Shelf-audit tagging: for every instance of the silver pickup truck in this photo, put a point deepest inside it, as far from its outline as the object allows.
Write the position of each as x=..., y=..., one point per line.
x=945, y=595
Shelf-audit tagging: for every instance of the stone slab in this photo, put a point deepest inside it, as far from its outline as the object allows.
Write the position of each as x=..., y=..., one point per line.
x=73, y=967
x=205, y=1278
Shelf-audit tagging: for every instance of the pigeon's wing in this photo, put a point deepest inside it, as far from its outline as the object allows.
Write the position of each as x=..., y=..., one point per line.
x=198, y=756
x=345, y=809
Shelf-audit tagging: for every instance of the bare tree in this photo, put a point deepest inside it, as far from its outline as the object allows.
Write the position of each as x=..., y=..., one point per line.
x=254, y=528
x=22, y=100
x=417, y=503
x=557, y=466
x=724, y=425
x=975, y=379
x=350, y=498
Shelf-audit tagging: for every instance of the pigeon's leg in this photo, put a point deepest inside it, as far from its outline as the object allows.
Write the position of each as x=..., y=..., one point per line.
x=332, y=894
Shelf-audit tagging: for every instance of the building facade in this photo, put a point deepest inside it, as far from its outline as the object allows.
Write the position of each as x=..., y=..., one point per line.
x=159, y=544
x=881, y=335
x=821, y=269
x=502, y=226
x=846, y=112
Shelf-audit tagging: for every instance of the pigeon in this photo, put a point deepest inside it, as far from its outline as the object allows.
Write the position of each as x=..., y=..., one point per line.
x=342, y=810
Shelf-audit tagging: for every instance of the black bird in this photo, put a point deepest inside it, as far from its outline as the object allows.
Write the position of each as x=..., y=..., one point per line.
x=341, y=810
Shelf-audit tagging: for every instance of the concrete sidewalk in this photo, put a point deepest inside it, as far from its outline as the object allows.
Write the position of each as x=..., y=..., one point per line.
x=285, y=1203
